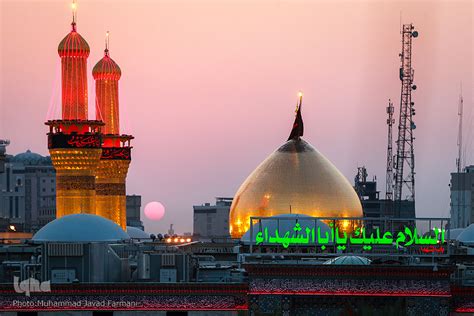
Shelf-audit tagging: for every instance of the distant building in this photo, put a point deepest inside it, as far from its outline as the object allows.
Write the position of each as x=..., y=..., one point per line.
x=375, y=207
x=3, y=145
x=28, y=191
x=134, y=203
x=462, y=189
x=212, y=221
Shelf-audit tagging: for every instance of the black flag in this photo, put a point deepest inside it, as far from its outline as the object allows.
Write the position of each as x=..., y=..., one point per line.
x=297, y=130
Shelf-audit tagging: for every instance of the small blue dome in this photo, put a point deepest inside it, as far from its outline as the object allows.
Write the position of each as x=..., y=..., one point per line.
x=81, y=228
x=31, y=158
x=136, y=233
x=467, y=236
x=453, y=233
x=349, y=260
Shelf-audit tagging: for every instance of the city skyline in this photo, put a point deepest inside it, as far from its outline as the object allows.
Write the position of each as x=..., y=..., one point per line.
x=202, y=116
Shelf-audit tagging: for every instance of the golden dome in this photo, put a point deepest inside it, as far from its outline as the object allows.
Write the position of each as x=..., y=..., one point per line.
x=73, y=45
x=106, y=69
x=295, y=175
x=295, y=179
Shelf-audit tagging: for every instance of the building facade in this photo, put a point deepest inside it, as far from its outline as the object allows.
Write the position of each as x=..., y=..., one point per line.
x=28, y=191
x=462, y=208
x=134, y=203
x=212, y=221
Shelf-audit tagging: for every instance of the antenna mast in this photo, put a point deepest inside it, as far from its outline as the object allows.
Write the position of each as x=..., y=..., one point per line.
x=389, y=176
x=405, y=146
x=460, y=114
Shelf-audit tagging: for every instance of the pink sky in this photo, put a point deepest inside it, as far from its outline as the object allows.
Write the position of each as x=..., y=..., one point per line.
x=209, y=88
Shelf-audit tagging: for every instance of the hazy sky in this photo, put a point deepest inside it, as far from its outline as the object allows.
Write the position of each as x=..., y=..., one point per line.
x=209, y=88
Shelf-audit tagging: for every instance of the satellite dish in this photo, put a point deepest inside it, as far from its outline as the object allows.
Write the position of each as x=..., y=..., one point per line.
x=413, y=87
x=414, y=33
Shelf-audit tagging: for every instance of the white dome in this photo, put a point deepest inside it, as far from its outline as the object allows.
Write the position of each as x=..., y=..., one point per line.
x=136, y=233
x=81, y=228
x=286, y=223
x=467, y=235
x=349, y=260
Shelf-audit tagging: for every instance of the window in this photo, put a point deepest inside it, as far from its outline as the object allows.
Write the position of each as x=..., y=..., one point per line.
x=11, y=206
x=8, y=179
x=17, y=215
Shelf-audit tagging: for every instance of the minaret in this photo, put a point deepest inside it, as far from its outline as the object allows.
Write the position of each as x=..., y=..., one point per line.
x=74, y=51
x=116, y=151
x=74, y=142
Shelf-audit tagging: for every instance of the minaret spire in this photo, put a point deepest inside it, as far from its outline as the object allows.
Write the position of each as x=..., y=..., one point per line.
x=74, y=51
x=106, y=51
x=74, y=14
x=298, y=129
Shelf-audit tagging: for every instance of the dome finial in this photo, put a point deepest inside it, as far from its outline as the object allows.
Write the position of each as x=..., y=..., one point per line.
x=74, y=14
x=106, y=51
x=297, y=130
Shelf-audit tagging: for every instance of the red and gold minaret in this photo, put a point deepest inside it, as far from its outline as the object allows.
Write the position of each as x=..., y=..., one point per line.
x=74, y=142
x=116, y=151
